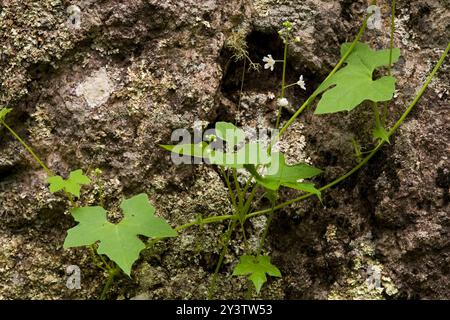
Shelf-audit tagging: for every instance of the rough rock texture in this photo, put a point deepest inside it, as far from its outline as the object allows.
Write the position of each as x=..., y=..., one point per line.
x=105, y=92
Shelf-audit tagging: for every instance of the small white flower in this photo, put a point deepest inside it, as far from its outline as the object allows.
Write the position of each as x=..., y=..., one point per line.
x=270, y=62
x=301, y=83
x=297, y=39
x=271, y=96
x=282, y=102
x=374, y=21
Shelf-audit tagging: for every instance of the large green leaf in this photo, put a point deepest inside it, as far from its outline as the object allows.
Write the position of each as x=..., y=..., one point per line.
x=257, y=268
x=72, y=185
x=281, y=174
x=353, y=84
x=119, y=241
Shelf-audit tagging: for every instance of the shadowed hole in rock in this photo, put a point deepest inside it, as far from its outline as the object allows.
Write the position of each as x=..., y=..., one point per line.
x=443, y=181
x=261, y=44
x=7, y=175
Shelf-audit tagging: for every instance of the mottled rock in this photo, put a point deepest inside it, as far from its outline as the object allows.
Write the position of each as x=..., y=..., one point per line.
x=107, y=91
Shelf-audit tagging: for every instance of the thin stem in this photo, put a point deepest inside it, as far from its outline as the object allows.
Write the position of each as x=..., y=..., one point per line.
x=105, y=262
x=240, y=92
x=424, y=87
x=290, y=85
x=95, y=258
x=372, y=153
x=230, y=190
x=29, y=149
x=244, y=235
x=266, y=230
x=358, y=152
x=385, y=106
x=248, y=203
x=36, y=157
x=238, y=189
x=111, y=275
x=392, y=37
x=69, y=196
x=376, y=113
x=283, y=79
x=247, y=185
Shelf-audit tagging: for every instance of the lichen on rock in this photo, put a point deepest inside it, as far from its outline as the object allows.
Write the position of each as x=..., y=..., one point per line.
x=107, y=93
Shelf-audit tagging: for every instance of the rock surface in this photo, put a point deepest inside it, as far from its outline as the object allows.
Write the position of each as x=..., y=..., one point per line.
x=106, y=90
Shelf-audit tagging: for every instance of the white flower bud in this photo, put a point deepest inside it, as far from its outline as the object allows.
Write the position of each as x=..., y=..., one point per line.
x=282, y=102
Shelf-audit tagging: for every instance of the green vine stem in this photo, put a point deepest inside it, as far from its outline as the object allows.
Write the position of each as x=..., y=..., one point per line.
x=36, y=157
x=112, y=273
x=376, y=113
x=283, y=79
x=240, y=92
x=50, y=174
x=28, y=148
x=392, y=36
x=391, y=47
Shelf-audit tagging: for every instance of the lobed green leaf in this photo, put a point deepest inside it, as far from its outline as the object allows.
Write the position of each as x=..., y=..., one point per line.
x=72, y=185
x=380, y=133
x=256, y=268
x=120, y=242
x=353, y=84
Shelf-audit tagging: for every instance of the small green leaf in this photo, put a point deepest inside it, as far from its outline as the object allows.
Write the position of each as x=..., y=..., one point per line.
x=280, y=174
x=56, y=184
x=72, y=185
x=353, y=84
x=229, y=133
x=120, y=242
x=257, y=268
x=4, y=112
x=380, y=133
